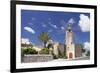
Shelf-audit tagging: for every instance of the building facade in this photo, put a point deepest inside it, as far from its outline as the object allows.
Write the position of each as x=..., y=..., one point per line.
x=70, y=47
x=25, y=46
x=78, y=50
x=55, y=50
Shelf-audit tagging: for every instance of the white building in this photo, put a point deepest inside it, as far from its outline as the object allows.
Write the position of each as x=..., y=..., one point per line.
x=70, y=47
x=55, y=48
x=38, y=49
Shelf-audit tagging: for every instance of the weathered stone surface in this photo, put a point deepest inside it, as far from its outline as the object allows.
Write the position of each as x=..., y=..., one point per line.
x=36, y=58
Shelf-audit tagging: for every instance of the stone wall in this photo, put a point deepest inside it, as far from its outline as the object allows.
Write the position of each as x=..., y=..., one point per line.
x=36, y=58
x=78, y=50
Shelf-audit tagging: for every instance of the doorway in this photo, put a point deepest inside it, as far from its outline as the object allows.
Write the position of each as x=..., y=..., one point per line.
x=70, y=55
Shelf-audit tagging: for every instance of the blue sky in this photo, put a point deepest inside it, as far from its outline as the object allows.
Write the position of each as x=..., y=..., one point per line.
x=54, y=23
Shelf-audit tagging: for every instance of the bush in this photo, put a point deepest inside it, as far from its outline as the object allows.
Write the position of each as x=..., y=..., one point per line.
x=28, y=51
x=54, y=56
x=45, y=51
x=88, y=53
x=65, y=57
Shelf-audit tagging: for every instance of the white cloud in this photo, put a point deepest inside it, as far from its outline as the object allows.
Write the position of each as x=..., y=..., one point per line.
x=25, y=41
x=50, y=30
x=52, y=25
x=44, y=25
x=29, y=29
x=62, y=28
x=71, y=21
x=84, y=23
x=30, y=23
x=87, y=46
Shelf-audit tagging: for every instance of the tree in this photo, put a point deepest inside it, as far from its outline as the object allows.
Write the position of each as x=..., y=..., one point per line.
x=88, y=53
x=44, y=37
x=50, y=46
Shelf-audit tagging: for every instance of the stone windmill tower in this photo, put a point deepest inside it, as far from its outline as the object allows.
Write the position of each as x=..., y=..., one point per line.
x=70, y=47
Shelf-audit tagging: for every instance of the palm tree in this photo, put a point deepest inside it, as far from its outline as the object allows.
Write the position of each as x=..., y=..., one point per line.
x=44, y=37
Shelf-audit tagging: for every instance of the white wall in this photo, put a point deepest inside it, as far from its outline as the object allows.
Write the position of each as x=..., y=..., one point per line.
x=5, y=37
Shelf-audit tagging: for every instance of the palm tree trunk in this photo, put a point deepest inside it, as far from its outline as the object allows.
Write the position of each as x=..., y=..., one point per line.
x=45, y=44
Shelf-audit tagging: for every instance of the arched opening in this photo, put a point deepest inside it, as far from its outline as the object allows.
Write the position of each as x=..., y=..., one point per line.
x=70, y=55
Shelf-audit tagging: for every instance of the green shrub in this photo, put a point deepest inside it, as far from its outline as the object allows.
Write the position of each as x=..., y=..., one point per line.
x=45, y=51
x=28, y=51
x=65, y=57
